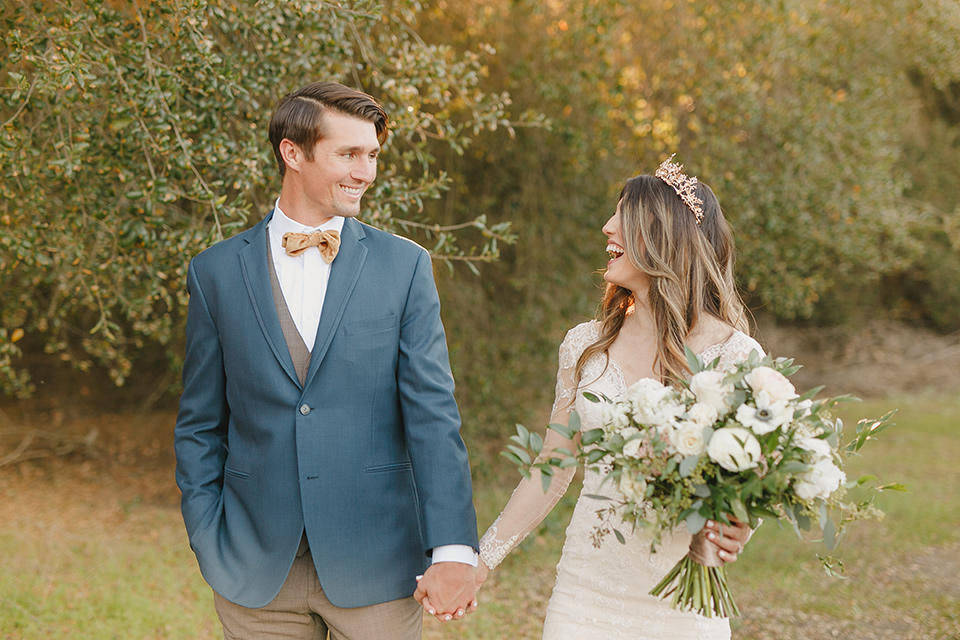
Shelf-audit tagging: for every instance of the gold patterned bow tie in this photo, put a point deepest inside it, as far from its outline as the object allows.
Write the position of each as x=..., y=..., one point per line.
x=328, y=242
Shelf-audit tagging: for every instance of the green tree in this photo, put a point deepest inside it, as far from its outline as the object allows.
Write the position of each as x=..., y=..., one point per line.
x=134, y=135
x=793, y=111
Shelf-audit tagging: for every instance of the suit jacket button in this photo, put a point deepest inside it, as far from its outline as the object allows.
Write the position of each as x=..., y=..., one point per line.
x=304, y=409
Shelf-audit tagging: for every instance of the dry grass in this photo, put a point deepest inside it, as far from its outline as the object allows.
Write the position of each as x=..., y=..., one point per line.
x=93, y=547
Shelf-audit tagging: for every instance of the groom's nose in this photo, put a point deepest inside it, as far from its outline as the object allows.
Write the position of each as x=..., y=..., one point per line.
x=365, y=170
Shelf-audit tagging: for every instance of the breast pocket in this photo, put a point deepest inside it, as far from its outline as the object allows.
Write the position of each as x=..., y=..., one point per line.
x=369, y=330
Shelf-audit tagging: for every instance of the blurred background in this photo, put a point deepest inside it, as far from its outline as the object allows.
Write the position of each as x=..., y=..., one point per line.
x=133, y=136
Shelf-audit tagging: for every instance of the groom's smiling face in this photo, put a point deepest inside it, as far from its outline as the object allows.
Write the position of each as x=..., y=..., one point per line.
x=343, y=165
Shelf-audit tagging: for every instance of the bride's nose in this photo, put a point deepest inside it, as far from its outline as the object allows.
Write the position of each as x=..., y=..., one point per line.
x=611, y=226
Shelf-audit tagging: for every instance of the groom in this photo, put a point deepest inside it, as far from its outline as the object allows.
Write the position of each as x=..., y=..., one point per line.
x=317, y=443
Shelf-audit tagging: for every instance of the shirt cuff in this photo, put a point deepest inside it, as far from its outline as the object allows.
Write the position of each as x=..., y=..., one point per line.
x=455, y=553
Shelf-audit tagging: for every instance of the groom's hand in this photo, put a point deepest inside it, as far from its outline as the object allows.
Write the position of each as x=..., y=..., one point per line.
x=447, y=590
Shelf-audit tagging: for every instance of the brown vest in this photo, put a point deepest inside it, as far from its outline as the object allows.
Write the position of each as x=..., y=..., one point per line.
x=298, y=348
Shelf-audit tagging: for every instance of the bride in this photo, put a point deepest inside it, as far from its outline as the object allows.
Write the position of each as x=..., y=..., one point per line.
x=669, y=283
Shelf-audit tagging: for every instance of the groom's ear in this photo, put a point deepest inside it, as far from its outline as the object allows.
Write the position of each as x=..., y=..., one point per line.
x=291, y=154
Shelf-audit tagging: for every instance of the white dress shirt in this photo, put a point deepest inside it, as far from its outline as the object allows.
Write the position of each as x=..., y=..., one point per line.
x=303, y=282
x=303, y=278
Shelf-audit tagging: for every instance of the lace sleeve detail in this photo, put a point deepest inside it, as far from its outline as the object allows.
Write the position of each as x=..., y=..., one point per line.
x=529, y=504
x=576, y=340
x=735, y=350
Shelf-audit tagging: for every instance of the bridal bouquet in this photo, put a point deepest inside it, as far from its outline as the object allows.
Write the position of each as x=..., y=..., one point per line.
x=740, y=443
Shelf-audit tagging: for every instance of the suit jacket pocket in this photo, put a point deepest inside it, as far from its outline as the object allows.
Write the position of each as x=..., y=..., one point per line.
x=383, y=468
x=242, y=475
x=371, y=325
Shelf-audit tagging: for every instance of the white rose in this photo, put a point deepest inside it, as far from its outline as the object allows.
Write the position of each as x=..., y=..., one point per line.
x=776, y=385
x=648, y=401
x=645, y=384
x=631, y=448
x=632, y=488
x=820, y=481
x=764, y=418
x=615, y=418
x=688, y=440
x=820, y=449
x=709, y=387
x=702, y=414
x=734, y=449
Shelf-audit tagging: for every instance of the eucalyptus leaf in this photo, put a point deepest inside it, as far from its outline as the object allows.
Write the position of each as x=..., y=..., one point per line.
x=592, y=436
x=830, y=535
x=693, y=362
x=687, y=465
x=695, y=523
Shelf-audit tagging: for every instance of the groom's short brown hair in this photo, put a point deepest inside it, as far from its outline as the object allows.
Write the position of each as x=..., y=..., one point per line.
x=299, y=115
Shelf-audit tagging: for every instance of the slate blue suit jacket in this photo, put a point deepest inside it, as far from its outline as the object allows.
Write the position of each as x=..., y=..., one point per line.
x=366, y=455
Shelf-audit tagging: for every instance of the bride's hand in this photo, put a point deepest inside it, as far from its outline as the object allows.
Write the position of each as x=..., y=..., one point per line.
x=728, y=538
x=480, y=576
x=480, y=573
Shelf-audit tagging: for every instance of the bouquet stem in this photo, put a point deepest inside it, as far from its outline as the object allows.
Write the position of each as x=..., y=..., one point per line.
x=698, y=588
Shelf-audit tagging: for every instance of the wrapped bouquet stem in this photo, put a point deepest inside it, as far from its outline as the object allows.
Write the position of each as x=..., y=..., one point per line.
x=699, y=581
x=740, y=443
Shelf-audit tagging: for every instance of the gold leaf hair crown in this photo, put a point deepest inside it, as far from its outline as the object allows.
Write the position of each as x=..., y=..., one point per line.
x=685, y=187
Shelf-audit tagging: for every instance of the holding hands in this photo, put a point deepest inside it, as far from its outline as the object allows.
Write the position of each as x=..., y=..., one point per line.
x=447, y=590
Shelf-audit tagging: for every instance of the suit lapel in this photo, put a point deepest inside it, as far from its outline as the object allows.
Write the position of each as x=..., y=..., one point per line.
x=344, y=272
x=256, y=277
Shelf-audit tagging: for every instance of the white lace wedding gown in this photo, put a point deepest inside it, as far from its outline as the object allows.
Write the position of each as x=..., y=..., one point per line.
x=603, y=593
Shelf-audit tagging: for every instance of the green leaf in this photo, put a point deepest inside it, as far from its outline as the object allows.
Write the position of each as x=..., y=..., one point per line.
x=739, y=510
x=595, y=456
x=546, y=478
x=902, y=488
x=563, y=430
x=619, y=536
x=793, y=467
x=596, y=496
x=536, y=442
x=832, y=567
x=520, y=454
x=687, y=465
x=864, y=479
x=524, y=434
x=693, y=362
x=512, y=457
x=696, y=522
x=830, y=534
x=592, y=437
x=809, y=394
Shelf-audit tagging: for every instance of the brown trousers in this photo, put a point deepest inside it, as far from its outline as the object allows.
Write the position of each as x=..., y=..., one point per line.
x=301, y=611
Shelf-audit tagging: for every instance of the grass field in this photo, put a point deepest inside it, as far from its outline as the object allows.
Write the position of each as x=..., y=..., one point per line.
x=92, y=547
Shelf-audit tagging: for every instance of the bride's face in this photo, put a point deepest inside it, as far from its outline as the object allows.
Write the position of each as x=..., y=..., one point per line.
x=620, y=270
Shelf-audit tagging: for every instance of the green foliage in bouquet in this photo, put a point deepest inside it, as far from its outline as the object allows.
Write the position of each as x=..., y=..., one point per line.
x=737, y=444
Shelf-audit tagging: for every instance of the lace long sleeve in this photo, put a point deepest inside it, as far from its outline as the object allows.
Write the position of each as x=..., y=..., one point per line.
x=529, y=504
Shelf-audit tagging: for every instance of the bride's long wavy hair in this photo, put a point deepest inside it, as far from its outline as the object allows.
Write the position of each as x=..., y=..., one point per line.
x=689, y=266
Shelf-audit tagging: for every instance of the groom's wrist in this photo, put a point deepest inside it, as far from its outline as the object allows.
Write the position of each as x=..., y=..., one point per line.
x=455, y=553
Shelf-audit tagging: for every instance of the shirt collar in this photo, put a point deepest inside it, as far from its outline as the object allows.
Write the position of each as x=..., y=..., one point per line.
x=281, y=224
